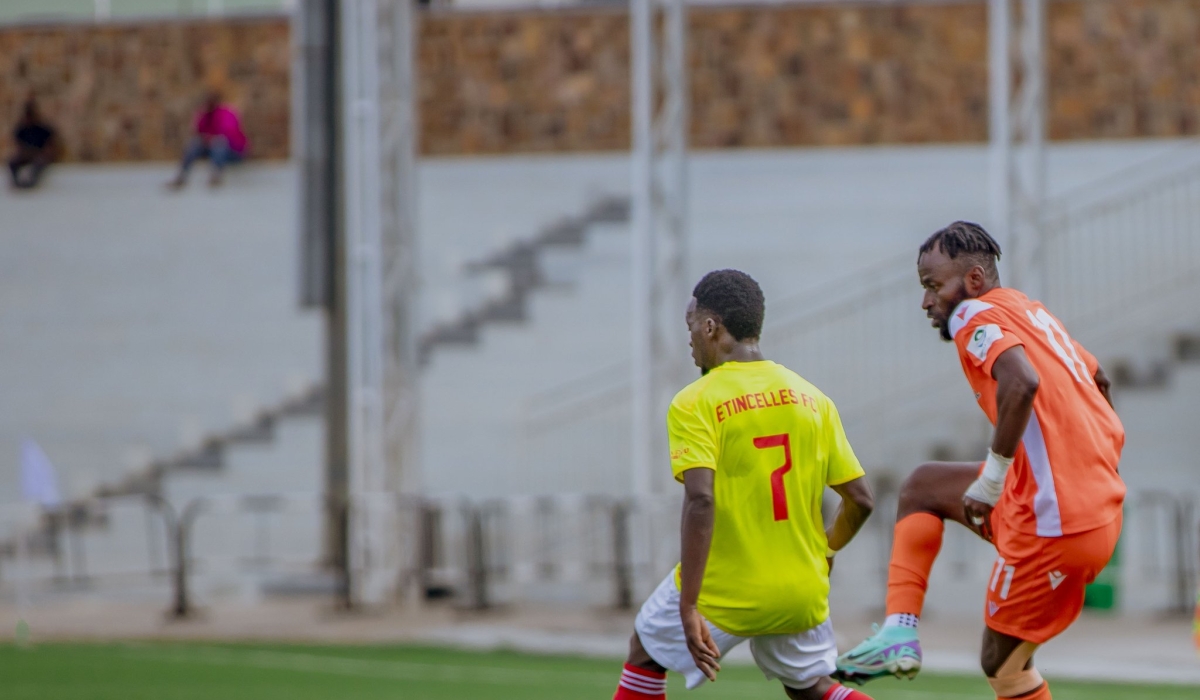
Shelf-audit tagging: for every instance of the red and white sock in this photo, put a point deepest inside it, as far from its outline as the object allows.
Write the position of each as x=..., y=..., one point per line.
x=841, y=692
x=639, y=684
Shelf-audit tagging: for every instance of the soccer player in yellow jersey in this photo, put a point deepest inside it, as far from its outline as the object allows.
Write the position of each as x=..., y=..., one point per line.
x=755, y=445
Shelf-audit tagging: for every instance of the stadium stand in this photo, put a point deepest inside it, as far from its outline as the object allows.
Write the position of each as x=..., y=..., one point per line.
x=523, y=431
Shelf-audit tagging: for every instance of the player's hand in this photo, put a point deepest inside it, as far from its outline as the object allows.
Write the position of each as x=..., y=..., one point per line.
x=978, y=517
x=700, y=642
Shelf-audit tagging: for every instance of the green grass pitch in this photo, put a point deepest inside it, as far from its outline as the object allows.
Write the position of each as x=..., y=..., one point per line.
x=184, y=671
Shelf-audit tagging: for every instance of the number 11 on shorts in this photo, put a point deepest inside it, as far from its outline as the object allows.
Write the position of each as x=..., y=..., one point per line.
x=1008, y=571
x=778, y=495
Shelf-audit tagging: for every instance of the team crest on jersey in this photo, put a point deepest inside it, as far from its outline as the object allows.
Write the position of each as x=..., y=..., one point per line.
x=982, y=339
x=964, y=312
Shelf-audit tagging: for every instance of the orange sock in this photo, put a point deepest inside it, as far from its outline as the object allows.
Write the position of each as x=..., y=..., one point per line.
x=1042, y=693
x=916, y=541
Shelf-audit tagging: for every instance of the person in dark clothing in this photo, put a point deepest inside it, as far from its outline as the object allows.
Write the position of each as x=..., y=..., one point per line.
x=36, y=147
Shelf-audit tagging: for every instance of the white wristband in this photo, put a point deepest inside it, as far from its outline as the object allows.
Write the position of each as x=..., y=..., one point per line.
x=996, y=467
x=990, y=484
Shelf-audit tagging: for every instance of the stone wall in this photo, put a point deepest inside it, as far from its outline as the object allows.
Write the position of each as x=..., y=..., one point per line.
x=129, y=91
x=1124, y=68
x=804, y=74
x=530, y=81
x=540, y=81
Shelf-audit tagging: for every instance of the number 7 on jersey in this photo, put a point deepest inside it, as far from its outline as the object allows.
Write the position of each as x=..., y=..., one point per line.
x=778, y=495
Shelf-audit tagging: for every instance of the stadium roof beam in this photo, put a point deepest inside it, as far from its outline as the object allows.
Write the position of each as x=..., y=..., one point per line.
x=659, y=224
x=1017, y=124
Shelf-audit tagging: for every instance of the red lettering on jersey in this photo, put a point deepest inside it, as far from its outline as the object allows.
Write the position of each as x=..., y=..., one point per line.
x=763, y=399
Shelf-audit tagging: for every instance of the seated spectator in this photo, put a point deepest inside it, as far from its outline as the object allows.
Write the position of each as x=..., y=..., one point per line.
x=36, y=147
x=218, y=137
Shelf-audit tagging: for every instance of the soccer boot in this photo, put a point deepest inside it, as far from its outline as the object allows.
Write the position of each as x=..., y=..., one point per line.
x=890, y=651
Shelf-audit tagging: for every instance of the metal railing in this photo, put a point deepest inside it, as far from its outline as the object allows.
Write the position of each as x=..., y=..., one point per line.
x=1168, y=546
x=1119, y=245
x=170, y=536
x=590, y=549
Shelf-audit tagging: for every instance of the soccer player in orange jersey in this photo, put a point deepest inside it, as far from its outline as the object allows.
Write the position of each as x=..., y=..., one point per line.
x=755, y=446
x=1048, y=495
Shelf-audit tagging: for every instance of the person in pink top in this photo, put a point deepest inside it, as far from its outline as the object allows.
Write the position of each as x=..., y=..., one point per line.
x=218, y=137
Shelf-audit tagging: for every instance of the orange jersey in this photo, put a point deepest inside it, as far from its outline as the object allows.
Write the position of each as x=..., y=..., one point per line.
x=1064, y=479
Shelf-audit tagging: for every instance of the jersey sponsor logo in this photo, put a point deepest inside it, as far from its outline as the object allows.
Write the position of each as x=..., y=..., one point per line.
x=764, y=399
x=676, y=454
x=1056, y=579
x=966, y=311
x=982, y=339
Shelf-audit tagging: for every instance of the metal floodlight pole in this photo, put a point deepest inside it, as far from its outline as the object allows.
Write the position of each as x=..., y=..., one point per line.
x=672, y=289
x=642, y=261
x=659, y=221
x=1031, y=108
x=1018, y=136
x=364, y=295
x=1000, y=122
x=379, y=162
x=401, y=390
x=318, y=146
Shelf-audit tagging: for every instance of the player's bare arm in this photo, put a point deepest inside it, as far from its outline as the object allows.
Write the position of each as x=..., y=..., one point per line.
x=857, y=503
x=1017, y=386
x=697, y=529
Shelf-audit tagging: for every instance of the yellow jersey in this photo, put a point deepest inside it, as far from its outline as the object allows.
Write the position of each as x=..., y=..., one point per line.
x=775, y=441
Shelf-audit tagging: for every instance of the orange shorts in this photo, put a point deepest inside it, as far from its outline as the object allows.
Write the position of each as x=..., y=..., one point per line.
x=1036, y=587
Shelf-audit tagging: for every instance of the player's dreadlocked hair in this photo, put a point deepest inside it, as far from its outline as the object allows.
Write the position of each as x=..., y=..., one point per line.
x=965, y=239
x=735, y=298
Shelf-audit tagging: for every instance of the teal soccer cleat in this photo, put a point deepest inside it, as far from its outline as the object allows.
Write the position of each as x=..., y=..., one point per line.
x=890, y=651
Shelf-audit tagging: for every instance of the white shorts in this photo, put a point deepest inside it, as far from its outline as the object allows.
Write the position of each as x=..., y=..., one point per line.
x=797, y=660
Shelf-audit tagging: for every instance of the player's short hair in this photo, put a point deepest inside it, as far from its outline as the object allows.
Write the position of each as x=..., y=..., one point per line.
x=734, y=298
x=963, y=239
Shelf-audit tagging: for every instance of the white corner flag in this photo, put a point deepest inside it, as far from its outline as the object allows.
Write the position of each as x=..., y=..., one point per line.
x=38, y=483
